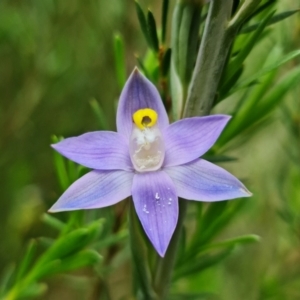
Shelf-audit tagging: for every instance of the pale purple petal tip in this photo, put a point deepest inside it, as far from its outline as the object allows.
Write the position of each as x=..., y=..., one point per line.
x=102, y=150
x=203, y=181
x=96, y=189
x=138, y=93
x=156, y=204
x=188, y=139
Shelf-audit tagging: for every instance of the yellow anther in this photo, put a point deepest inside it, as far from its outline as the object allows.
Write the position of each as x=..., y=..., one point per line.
x=144, y=118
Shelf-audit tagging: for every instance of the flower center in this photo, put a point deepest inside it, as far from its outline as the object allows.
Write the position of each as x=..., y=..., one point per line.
x=146, y=146
x=144, y=118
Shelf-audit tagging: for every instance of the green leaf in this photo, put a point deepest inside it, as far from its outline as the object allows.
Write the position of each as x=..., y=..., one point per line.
x=268, y=4
x=40, y=271
x=247, y=103
x=79, y=260
x=112, y=239
x=205, y=221
x=165, y=265
x=218, y=158
x=164, y=18
x=201, y=263
x=192, y=43
x=176, y=23
x=100, y=114
x=120, y=60
x=6, y=279
x=60, y=167
x=34, y=290
x=241, y=240
x=45, y=242
x=182, y=243
x=237, y=62
x=278, y=63
x=273, y=20
x=72, y=242
x=185, y=37
x=143, y=22
x=53, y=222
x=82, y=259
x=27, y=260
x=183, y=43
x=142, y=66
x=212, y=55
x=244, y=119
x=166, y=62
x=152, y=32
x=218, y=222
x=213, y=212
x=216, y=217
x=72, y=170
x=140, y=255
x=176, y=88
x=177, y=92
x=67, y=244
x=151, y=63
x=291, y=122
x=245, y=12
x=276, y=95
x=187, y=41
x=225, y=88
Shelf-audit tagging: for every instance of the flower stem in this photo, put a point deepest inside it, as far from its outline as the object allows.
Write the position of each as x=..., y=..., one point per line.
x=165, y=265
x=140, y=257
x=206, y=75
x=212, y=55
x=243, y=13
x=185, y=35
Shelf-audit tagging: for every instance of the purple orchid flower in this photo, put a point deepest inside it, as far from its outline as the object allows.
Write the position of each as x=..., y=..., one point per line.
x=150, y=159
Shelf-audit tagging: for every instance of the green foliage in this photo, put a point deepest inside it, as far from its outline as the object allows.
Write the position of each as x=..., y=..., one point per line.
x=166, y=62
x=148, y=27
x=201, y=263
x=164, y=18
x=98, y=110
x=273, y=20
x=60, y=166
x=119, y=60
x=200, y=47
x=65, y=254
x=236, y=64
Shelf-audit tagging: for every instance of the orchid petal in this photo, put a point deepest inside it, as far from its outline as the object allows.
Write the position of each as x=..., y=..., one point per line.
x=101, y=150
x=96, y=189
x=156, y=204
x=203, y=181
x=188, y=139
x=139, y=93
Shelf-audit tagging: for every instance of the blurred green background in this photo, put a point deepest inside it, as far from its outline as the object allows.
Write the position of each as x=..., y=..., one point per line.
x=56, y=56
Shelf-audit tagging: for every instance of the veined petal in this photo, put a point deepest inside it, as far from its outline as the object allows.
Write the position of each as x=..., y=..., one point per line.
x=156, y=204
x=203, y=181
x=95, y=190
x=188, y=139
x=139, y=93
x=102, y=150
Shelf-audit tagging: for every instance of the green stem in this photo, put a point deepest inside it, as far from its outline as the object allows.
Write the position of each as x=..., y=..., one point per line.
x=211, y=54
x=185, y=35
x=215, y=46
x=140, y=249
x=165, y=265
x=243, y=13
x=211, y=58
